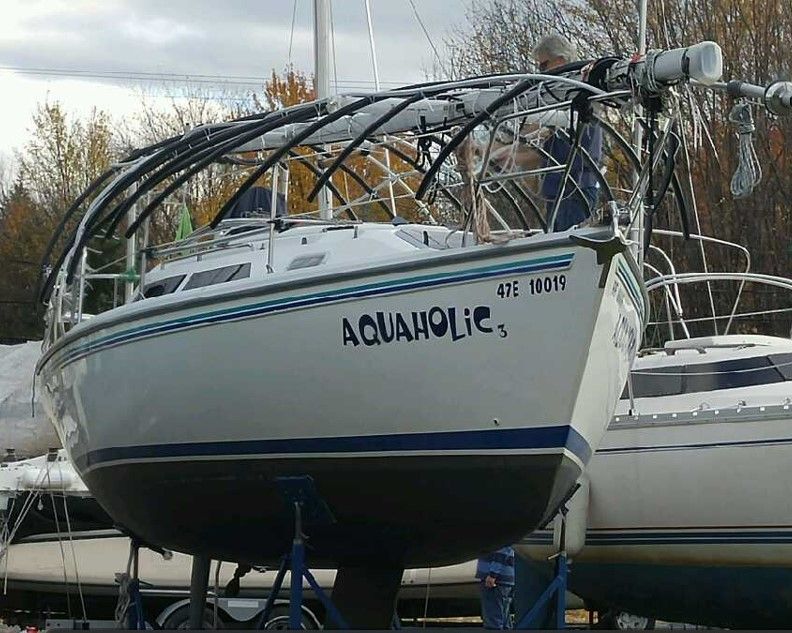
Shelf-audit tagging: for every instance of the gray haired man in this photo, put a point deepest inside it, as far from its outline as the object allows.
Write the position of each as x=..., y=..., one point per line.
x=581, y=195
x=553, y=50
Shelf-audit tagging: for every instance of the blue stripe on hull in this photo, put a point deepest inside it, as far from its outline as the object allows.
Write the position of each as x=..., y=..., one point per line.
x=483, y=440
x=556, y=262
x=633, y=290
x=676, y=537
x=683, y=447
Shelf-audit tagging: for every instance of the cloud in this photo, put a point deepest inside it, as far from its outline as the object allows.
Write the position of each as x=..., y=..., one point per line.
x=236, y=37
x=221, y=38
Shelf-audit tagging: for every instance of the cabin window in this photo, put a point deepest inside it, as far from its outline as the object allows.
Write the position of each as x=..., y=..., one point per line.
x=218, y=276
x=728, y=374
x=658, y=381
x=306, y=261
x=783, y=363
x=162, y=287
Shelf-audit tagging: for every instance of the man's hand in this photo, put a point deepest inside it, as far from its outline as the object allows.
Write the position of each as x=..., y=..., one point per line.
x=489, y=582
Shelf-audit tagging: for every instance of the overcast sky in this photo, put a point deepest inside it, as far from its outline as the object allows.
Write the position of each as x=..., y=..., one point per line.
x=244, y=39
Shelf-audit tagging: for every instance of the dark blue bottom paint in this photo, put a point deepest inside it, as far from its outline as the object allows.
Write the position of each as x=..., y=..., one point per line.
x=410, y=511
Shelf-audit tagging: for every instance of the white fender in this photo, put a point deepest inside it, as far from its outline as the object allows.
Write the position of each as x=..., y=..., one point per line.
x=58, y=478
x=576, y=520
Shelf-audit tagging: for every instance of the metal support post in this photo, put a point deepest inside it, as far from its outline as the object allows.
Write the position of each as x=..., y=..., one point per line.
x=199, y=583
x=561, y=575
x=300, y=495
x=333, y=613
x=322, y=56
x=273, y=594
x=136, y=619
x=557, y=586
x=297, y=571
x=131, y=255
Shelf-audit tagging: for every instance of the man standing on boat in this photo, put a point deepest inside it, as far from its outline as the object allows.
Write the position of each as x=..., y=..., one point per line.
x=495, y=573
x=580, y=194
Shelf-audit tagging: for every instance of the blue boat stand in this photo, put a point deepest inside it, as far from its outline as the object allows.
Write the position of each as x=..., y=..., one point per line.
x=557, y=586
x=300, y=494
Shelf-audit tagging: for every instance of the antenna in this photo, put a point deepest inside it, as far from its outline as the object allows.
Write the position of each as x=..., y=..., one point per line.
x=377, y=88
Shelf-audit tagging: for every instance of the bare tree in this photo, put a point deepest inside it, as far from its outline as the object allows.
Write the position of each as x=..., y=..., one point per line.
x=497, y=36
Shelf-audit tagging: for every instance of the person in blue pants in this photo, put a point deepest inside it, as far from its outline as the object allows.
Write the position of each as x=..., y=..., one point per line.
x=495, y=573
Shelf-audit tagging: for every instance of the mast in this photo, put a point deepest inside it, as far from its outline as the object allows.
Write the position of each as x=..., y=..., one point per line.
x=322, y=78
x=637, y=129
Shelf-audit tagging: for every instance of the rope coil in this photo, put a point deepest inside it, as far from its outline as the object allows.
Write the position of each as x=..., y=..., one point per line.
x=749, y=172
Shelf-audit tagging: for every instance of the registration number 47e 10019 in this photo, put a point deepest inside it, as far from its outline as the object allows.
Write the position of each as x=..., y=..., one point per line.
x=533, y=286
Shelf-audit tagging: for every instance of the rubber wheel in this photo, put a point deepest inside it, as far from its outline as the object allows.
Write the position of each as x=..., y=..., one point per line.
x=279, y=620
x=624, y=621
x=179, y=620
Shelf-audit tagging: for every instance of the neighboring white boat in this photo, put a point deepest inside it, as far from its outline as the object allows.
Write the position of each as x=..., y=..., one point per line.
x=687, y=513
x=56, y=540
x=45, y=494
x=35, y=570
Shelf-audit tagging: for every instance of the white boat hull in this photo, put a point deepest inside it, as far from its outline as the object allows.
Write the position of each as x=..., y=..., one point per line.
x=412, y=432
x=689, y=515
x=37, y=565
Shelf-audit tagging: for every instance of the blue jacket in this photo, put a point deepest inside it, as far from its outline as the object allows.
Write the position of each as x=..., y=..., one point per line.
x=559, y=148
x=499, y=565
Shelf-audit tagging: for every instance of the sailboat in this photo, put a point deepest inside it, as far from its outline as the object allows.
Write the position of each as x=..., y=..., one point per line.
x=374, y=359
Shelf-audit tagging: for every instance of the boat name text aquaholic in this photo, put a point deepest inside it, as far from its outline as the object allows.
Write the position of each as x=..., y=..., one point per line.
x=435, y=323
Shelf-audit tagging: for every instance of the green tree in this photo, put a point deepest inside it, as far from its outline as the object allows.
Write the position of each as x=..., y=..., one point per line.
x=64, y=154
x=21, y=244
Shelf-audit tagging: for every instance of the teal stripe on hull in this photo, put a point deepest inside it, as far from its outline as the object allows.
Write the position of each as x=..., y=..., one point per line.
x=536, y=265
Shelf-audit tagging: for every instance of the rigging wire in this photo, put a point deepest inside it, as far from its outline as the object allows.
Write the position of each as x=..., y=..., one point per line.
x=66, y=582
x=426, y=33
x=721, y=317
x=689, y=169
x=123, y=579
x=188, y=78
x=333, y=47
x=375, y=70
x=29, y=502
x=71, y=543
x=749, y=170
x=5, y=541
x=291, y=33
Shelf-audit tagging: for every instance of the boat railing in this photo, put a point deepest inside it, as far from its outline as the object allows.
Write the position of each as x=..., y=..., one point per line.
x=670, y=286
x=663, y=282
x=236, y=233
x=68, y=307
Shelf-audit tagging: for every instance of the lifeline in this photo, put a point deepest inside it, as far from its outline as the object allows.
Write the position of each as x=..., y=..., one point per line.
x=439, y=323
